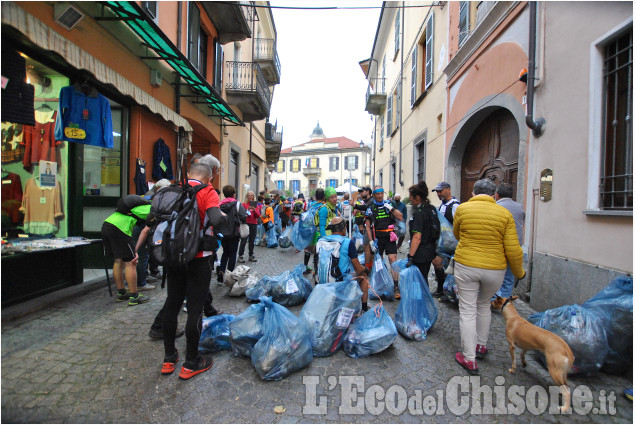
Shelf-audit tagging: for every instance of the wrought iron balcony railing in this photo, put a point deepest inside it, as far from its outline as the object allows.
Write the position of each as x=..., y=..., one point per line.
x=376, y=95
x=265, y=51
x=246, y=77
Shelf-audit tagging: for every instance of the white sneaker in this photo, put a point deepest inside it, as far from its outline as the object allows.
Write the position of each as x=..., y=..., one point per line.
x=146, y=287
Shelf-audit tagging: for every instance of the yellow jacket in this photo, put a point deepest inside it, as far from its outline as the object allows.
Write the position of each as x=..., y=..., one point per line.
x=487, y=236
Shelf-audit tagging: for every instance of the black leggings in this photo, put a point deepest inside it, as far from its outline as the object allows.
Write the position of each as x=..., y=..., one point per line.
x=228, y=259
x=192, y=281
x=253, y=230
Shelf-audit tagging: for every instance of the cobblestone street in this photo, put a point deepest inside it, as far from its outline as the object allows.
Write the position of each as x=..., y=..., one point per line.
x=89, y=360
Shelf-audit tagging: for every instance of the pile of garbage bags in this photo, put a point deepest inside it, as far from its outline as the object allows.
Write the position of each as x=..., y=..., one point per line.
x=446, y=245
x=246, y=330
x=239, y=280
x=284, y=241
x=284, y=347
x=215, y=334
x=288, y=289
x=416, y=312
x=372, y=333
x=380, y=280
x=328, y=313
x=600, y=331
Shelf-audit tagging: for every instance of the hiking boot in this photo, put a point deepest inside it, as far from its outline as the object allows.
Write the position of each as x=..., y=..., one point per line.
x=252, y=259
x=189, y=370
x=219, y=276
x=481, y=351
x=158, y=333
x=146, y=287
x=139, y=299
x=212, y=312
x=123, y=297
x=397, y=293
x=241, y=259
x=470, y=367
x=169, y=363
x=151, y=279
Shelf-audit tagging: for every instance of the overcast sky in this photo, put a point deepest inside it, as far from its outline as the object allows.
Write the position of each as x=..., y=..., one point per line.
x=321, y=79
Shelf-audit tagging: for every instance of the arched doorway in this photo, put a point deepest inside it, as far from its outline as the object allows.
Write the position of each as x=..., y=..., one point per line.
x=491, y=152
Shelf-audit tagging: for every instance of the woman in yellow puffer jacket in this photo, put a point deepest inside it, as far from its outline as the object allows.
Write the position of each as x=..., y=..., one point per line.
x=487, y=242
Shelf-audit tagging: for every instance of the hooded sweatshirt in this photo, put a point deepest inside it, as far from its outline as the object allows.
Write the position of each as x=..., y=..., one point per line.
x=236, y=214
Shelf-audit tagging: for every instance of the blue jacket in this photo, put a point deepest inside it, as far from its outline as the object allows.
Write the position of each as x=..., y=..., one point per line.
x=401, y=207
x=71, y=126
x=162, y=153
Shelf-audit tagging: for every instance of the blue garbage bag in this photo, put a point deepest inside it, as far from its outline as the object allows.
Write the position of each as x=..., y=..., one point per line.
x=284, y=347
x=372, y=333
x=582, y=330
x=381, y=280
x=328, y=312
x=614, y=306
x=246, y=330
x=215, y=334
x=449, y=288
x=400, y=228
x=305, y=228
x=446, y=245
x=260, y=231
x=272, y=238
x=284, y=241
x=361, y=257
x=288, y=288
x=416, y=312
x=358, y=239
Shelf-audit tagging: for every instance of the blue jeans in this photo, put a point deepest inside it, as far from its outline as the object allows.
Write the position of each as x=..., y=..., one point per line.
x=508, y=284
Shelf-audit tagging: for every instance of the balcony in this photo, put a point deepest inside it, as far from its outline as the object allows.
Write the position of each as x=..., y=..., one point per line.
x=247, y=88
x=231, y=19
x=376, y=96
x=273, y=143
x=312, y=171
x=266, y=55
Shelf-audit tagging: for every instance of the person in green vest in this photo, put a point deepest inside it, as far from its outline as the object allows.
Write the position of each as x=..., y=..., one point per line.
x=116, y=233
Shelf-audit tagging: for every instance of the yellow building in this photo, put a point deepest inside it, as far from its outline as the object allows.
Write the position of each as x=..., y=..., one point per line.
x=408, y=139
x=321, y=162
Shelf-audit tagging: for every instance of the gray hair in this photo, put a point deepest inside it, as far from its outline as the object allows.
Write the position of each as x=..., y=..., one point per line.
x=211, y=162
x=200, y=170
x=484, y=187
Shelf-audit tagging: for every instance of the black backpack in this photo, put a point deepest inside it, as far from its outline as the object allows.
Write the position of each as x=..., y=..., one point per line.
x=127, y=203
x=230, y=228
x=176, y=235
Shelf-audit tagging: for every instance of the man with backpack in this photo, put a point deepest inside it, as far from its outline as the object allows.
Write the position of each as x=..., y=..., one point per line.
x=380, y=227
x=344, y=209
x=447, y=208
x=338, y=258
x=317, y=205
x=116, y=233
x=236, y=215
x=360, y=207
x=192, y=278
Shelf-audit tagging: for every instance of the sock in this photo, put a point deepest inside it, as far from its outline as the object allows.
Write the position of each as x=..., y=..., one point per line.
x=134, y=294
x=440, y=276
x=307, y=257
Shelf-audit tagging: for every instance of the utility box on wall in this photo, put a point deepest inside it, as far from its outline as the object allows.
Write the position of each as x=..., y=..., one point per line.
x=155, y=78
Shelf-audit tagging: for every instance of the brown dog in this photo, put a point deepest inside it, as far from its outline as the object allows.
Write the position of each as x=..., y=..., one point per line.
x=529, y=337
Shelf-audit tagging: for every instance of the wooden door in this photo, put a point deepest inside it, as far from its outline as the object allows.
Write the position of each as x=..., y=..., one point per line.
x=492, y=152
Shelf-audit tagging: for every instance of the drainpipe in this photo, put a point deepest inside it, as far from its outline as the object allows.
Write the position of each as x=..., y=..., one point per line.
x=251, y=124
x=532, y=238
x=537, y=127
x=401, y=77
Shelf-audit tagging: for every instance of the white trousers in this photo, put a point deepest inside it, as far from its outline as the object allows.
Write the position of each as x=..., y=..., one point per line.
x=476, y=288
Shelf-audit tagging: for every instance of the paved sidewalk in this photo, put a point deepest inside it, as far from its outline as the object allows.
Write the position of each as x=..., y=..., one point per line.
x=89, y=360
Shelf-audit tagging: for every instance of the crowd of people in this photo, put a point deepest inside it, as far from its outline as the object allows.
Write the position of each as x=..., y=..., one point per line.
x=488, y=257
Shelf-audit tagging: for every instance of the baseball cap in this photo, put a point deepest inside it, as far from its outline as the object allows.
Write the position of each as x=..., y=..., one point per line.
x=365, y=188
x=441, y=186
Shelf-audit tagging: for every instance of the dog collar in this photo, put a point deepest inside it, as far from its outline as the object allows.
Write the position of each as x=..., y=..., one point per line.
x=504, y=304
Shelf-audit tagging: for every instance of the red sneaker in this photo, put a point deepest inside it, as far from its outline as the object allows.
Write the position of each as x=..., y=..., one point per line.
x=169, y=363
x=469, y=366
x=481, y=351
x=204, y=363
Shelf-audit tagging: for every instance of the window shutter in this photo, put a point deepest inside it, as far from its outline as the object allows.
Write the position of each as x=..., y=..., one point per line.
x=194, y=26
x=397, y=22
x=464, y=21
x=356, y=162
x=218, y=66
x=413, y=76
x=429, y=50
x=389, y=115
x=150, y=8
x=337, y=163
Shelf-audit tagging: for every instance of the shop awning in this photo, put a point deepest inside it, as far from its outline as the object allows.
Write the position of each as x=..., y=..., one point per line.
x=46, y=38
x=142, y=25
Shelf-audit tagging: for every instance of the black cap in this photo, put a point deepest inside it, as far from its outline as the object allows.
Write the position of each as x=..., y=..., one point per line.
x=365, y=188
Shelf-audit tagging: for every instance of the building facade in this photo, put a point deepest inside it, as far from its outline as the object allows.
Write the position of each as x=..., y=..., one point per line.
x=511, y=97
x=321, y=162
x=169, y=73
x=406, y=94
